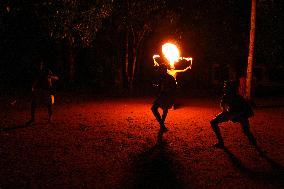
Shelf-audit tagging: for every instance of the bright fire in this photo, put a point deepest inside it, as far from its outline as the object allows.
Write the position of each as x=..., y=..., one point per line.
x=171, y=52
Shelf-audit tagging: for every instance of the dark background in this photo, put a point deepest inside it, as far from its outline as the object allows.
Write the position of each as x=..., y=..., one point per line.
x=215, y=33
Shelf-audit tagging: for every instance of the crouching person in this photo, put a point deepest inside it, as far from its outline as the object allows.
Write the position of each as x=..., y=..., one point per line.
x=234, y=108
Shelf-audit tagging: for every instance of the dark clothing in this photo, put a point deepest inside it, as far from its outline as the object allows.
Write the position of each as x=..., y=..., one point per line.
x=235, y=107
x=166, y=97
x=43, y=80
x=42, y=91
x=42, y=87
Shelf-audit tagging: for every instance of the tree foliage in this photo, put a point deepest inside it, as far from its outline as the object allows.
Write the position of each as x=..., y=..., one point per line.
x=76, y=21
x=136, y=19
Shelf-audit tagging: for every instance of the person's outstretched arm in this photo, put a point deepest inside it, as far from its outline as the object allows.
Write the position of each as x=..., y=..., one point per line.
x=188, y=67
x=52, y=76
x=154, y=58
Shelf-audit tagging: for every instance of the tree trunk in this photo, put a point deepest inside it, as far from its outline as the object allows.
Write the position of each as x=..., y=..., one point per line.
x=126, y=60
x=251, y=49
x=131, y=78
x=71, y=63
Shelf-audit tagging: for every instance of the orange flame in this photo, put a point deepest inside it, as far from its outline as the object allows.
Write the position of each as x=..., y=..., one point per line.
x=171, y=53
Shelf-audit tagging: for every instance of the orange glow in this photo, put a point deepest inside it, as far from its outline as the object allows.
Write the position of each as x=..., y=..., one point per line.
x=154, y=58
x=52, y=99
x=171, y=53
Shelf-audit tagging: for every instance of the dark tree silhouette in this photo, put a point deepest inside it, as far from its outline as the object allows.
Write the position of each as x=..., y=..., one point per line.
x=73, y=22
x=137, y=19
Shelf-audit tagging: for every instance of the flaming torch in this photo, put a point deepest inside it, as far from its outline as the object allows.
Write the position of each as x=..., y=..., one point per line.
x=172, y=54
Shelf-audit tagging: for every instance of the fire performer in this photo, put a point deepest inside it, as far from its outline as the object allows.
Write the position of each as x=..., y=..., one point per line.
x=171, y=53
x=42, y=90
x=166, y=96
x=234, y=108
x=172, y=71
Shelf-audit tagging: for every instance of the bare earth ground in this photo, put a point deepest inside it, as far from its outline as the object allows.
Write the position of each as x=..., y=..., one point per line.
x=114, y=143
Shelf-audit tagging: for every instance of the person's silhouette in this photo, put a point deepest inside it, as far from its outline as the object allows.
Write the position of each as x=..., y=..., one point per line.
x=166, y=96
x=42, y=90
x=172, y=70
x=234, y=108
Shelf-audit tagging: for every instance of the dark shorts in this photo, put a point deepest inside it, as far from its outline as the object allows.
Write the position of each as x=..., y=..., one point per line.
x=42, y=97
x=164, y=101
x=230, y=116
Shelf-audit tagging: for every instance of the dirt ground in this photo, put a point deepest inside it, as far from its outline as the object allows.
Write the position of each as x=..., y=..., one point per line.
x=114, y=143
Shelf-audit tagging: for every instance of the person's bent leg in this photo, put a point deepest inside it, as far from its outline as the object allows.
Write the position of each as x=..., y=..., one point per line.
x=49, y=108
x=165, y=113
x=33, y=108
x=156, y=113
x=214, y=124
x=245, y=124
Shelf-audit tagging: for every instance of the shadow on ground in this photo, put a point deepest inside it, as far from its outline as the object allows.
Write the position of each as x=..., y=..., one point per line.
x=16, y=127
x=156, y=168
x=275, y=176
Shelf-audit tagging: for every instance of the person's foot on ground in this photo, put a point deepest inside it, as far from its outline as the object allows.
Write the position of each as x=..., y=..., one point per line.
x=219, y=145
x=163, y=129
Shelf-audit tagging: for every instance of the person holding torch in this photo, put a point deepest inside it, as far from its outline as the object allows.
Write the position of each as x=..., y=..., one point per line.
x=165, y=99
x=171, y=53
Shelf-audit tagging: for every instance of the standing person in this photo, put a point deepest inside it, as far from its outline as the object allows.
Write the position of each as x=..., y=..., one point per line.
x=234, y=108
x=166, y=96
x=42, y=90
x=174, y=72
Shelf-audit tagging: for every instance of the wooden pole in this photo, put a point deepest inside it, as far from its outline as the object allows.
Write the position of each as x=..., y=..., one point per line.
x=251, y=49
